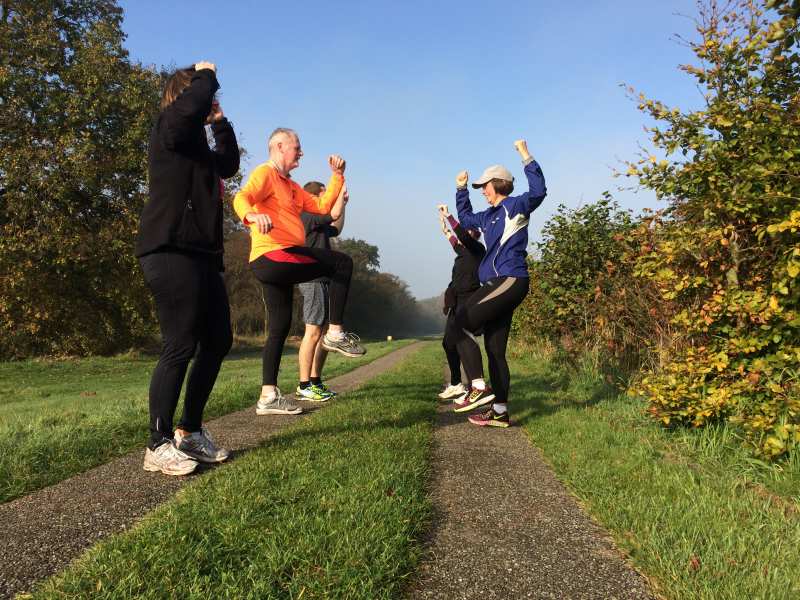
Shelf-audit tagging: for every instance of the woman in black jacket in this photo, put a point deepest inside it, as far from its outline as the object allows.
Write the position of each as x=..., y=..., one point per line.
x=180, y=250
x=469, y=253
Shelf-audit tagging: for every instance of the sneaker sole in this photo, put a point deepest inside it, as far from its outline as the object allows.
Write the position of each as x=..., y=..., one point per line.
x=155, y=468
x=474, y=405
x=321, y=399
x=205, y=459
x=277, y=411
x=343, y=352
x=503, y=424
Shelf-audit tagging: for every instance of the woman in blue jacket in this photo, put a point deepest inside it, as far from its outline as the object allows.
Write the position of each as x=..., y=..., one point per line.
x=503, y=274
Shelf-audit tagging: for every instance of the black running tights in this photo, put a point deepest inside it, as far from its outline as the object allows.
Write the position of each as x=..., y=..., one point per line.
x=490, y=307
x=278, y=271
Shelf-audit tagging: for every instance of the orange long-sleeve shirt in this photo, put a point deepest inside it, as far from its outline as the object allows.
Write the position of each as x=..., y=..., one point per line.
x=268, y=191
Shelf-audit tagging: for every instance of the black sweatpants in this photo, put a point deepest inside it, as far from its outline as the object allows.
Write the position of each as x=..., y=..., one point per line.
x=278, y=271
x=195, y=321
x=492, y=308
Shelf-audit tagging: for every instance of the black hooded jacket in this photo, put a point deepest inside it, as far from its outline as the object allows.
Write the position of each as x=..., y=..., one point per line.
x=184, y=210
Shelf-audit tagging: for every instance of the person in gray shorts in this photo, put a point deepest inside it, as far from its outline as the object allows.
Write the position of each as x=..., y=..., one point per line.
x=319, y=230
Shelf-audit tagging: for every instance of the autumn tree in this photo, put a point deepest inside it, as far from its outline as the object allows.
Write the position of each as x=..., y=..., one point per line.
x=74, y=119
x=726, y=252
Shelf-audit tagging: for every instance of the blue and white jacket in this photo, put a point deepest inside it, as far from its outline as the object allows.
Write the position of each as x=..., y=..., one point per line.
x=504, y=226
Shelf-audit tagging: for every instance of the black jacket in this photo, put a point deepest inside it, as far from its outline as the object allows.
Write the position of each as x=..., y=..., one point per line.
x=469, y=254
x=184, y=211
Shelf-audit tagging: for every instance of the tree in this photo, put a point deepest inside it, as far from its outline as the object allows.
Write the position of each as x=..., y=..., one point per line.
x=726, y=253
x=74, y=120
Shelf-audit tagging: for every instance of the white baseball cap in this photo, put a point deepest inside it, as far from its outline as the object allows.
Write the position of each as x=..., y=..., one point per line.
x=493, y=172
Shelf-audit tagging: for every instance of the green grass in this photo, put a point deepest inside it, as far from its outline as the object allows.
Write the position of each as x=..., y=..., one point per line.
x=59, y=418
x=694, y=512
x=332, y=507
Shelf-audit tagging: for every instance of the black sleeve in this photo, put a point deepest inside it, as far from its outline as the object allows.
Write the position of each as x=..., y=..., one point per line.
x=449, y=298
x=332, y=231
x=314, y=222
x=470, y=243
x=187, y=114
x=226, y=152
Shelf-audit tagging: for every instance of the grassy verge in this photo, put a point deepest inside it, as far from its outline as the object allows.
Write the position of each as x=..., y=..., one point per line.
x=693, y=511
x=58, y=418
x=329, y=508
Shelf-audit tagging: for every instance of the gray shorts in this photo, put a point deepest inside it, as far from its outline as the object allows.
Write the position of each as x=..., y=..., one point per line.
x=315, y=302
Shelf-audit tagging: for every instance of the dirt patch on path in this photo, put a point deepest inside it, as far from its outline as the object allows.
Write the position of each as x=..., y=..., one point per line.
x=505, y=527
x=42, y=532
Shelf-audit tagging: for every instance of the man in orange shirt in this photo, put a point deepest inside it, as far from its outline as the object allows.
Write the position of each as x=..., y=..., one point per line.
x=270, y=205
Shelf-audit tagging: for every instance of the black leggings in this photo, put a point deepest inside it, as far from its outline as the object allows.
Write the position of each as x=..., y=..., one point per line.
x=278, y=271
x=491, y=307
x=451, y=352
x=194, y=316
x=449, y=342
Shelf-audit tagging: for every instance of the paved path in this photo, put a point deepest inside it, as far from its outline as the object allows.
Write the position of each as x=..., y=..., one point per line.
x=505, y=527
x=42, y=532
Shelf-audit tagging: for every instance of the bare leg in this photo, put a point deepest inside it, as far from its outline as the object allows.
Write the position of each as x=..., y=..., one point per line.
x=308, y=350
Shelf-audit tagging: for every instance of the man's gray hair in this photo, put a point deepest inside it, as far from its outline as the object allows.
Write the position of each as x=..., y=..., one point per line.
x=280, y=132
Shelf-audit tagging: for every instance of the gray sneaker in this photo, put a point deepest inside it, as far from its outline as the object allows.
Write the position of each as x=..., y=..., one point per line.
x=169, y=460
x=277, y=405
x=348, y=344
x=200, y=446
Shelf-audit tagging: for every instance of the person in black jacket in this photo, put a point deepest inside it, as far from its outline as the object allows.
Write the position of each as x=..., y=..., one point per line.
x=469, y=253
x=180, y=250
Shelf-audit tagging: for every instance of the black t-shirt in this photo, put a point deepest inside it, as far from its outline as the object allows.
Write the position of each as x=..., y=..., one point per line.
x=469, y=254
x=318, y=230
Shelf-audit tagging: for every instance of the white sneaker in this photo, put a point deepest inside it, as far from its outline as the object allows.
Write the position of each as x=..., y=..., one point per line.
x=200, y=446
x=451, y=391
x=169, y=460
x=277, y=405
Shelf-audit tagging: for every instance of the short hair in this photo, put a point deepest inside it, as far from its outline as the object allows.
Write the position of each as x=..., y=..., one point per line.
x=314, y=187
x=280, y=132
x=176, y=83
x=502, y=186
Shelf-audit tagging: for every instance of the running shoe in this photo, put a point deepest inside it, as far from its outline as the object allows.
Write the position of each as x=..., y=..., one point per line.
x=200, y=446
x=169, y=460
x=474, y=399
x=313, y=393
x=323, y=389
x=349, y=344
x=490, y=419
x=277, y=405
x=453, y=391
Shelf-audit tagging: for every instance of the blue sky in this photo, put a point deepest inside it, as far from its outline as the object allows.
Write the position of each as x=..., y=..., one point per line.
x=410, y=93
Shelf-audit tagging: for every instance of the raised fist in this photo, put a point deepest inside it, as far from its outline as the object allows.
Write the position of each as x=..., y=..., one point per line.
x=337, y=163
x=205, y=65
x=216, y=113
x=522, y=148
x=443, y=212
x=462, y=178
